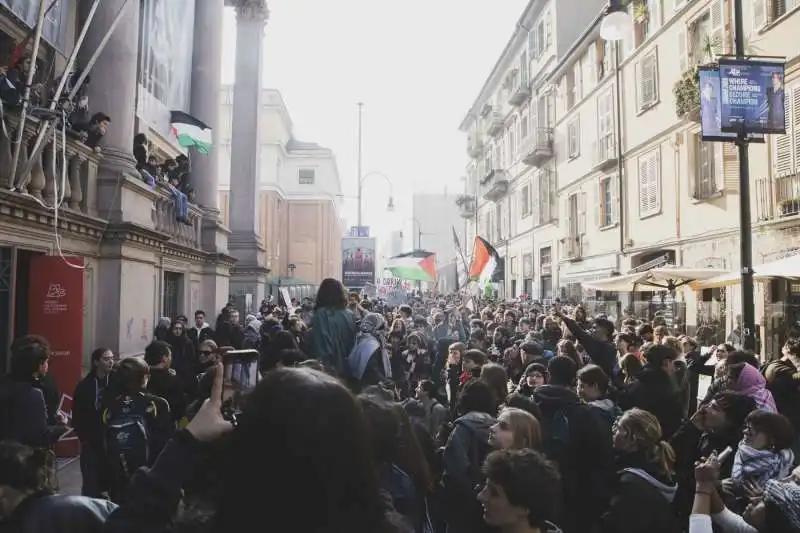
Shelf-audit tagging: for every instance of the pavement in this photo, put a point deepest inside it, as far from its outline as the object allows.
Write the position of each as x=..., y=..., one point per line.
x=69, y=476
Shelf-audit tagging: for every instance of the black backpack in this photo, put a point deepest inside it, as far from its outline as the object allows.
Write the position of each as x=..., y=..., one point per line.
x=127, y=434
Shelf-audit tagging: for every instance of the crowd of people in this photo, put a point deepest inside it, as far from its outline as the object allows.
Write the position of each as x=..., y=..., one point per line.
x=440, y=415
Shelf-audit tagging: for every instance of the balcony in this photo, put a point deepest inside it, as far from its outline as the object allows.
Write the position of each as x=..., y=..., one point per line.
x=494, y=123
x=604, y=153
x=165, y=219
x=76, y=166
x=80, y=185
x=495, y=185
x=474, y=146
x=539, y=147
x=467, y=205
x=571, y=247
x=520, y=94
x=778, y=198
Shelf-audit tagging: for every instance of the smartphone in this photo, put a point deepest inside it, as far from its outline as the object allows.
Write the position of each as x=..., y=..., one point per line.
x=724, y=454
x=240, y=372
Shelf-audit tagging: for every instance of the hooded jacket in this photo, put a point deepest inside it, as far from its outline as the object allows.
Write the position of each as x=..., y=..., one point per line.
x=577, y=441
x=654, y=390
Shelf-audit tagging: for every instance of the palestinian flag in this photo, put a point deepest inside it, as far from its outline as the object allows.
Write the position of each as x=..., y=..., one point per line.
x=190, y=131
x=418, y=265
x=486, y=262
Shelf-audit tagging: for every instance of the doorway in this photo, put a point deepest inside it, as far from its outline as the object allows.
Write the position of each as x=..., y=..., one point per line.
x=172, y=294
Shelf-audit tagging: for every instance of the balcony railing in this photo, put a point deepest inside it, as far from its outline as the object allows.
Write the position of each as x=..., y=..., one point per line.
x=520, y=93
x=540, y=147
x=494, y=123
x=571, y=247
x=79, y=176
x=72, y=161
x=604, y=152
x=474, y=147
x=467, y=206
x=165, y=218
x=778, y=198
x=495, y=185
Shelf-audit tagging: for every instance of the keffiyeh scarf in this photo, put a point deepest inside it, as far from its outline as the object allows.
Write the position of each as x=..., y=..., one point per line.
x=759, y=466
x=786, y=497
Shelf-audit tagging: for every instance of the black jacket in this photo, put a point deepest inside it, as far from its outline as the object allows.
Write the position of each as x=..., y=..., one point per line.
x=58, y=513
x=169, y=387
x=603, y=354
x=86, y=409
x=654, y=390
x=577, y=442
x=23, y=415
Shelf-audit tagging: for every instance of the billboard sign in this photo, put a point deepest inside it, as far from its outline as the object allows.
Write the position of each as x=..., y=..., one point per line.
x=358, y=261
x=752, y=96
x=711, y=108
x=359, y=231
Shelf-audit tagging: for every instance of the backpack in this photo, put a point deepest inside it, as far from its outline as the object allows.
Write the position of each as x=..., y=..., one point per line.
x=127, y=435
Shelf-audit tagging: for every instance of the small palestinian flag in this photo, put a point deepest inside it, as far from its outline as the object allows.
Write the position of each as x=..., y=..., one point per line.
x=418, y=265
x=486, y=262
x=190, y=131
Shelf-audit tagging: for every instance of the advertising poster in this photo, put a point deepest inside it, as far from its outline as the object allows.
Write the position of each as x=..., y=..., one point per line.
x=358, y=261
x=752, y=96
x=55, y=311
x=711, y=108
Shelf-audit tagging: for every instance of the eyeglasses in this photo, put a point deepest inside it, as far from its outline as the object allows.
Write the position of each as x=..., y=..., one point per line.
x=206, y=352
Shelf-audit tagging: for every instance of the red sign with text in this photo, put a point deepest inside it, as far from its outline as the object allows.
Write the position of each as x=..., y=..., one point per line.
x=55, y=311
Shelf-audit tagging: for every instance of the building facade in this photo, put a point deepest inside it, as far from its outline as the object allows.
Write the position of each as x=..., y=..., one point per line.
x=511, y=189
x=299, y=193
x=434, y=216
x=634, y=184
x=113, y=248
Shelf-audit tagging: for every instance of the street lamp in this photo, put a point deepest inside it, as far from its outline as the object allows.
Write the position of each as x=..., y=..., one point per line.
x=389, y=205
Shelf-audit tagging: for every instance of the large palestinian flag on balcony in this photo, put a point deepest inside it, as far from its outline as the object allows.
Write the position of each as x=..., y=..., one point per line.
x=418, y=265
x=486, y=262
x=190, y=131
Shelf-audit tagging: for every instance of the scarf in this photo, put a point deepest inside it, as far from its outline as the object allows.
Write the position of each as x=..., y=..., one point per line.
x=751, y=383
x=760, y=466
x=369, y=340
x=786, y=497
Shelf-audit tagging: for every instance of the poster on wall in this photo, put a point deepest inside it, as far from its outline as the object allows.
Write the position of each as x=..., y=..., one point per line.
x=752, y=96
x=55, y=311
x=711, y=108
x=358, y=261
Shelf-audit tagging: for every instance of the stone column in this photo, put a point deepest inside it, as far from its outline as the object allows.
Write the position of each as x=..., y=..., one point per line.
x=206, y=87
x=245, y=243
x=113, y=77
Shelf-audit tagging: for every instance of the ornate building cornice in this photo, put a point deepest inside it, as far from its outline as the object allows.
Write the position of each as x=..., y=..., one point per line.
x=251, y=10
x=24, y=211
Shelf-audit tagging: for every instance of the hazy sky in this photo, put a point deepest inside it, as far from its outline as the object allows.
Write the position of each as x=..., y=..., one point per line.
x=417, y=66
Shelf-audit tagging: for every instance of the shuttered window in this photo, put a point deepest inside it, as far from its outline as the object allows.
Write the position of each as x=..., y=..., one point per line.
x=786, y=148
x=649, y=183
x=606, y=201
x=574, y=138
x=647, y=80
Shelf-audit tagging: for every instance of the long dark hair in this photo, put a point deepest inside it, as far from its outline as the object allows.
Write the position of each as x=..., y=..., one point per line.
x=304, y=432
x=331, y=293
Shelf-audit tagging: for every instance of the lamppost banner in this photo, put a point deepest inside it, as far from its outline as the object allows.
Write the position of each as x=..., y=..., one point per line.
x=752, y=96
x=358, y=261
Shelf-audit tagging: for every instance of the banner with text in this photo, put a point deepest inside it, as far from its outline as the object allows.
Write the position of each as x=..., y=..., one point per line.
x=55, y=311
x=752, y=96
x=358, y=261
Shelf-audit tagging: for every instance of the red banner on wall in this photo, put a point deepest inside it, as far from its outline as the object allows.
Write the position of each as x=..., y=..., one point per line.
x=55, y=311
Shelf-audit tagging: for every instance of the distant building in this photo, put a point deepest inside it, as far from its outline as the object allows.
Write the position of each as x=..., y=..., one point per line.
x=433, y=218
x=300, y=225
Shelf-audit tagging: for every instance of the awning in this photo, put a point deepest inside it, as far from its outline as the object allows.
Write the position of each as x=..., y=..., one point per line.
x=788, y=267
x=667, y=278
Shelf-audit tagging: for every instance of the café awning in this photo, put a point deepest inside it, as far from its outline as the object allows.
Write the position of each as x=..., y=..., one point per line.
x=666, y=278
x=788, y=268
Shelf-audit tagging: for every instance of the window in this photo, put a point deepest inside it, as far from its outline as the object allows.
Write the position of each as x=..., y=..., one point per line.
x=773, y=9
x=306, y=176
x=545, y=256
x=525, y=201
x=647, y=81
x=606, y=195
x=513, y=266
x=706, y=35
x=523, y=124
x=649, y=178
x=544, y=197
x=589, y=63
x=573, y=78
x=540, y=37
x=512, y=140
x=574, y=138
x=605, y=127
x=523, y=69
x=705, y=170
x=786, y=148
